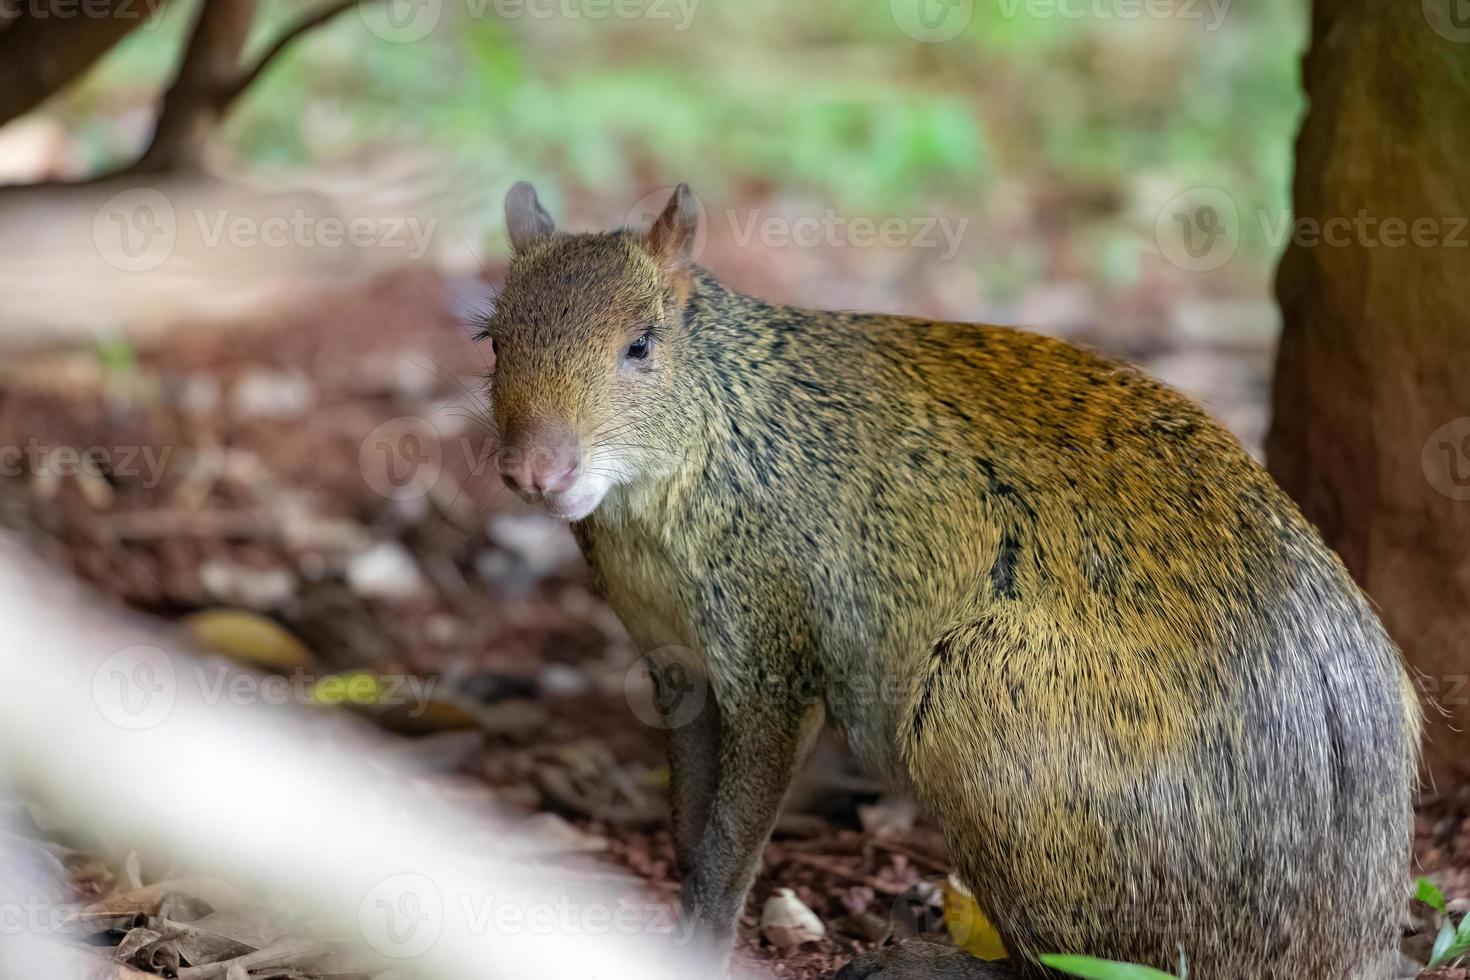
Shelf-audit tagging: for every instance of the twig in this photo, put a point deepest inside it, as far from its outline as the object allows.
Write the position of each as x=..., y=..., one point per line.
x=311, y=21
x=913, y=854
x=837, y=871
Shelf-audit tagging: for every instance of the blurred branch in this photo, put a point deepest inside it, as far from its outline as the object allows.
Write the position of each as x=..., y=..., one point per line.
x=192, y=107
x=40, y=55
x=286, y=801
x=310, y=22
x=210, y=79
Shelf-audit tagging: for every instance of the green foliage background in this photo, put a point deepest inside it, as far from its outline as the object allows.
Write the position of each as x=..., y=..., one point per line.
x=1081, y=98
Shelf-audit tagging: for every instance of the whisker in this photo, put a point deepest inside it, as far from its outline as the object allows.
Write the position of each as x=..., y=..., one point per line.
x=656, y=452
x=481, y=415
x=601, y=431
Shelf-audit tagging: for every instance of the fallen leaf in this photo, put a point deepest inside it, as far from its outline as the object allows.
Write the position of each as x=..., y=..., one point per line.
x=146, y=900
x=968, y=924
x=135, y=941
x=182, y=907
x=289, y=951
x=247, y=638
x=247, y=926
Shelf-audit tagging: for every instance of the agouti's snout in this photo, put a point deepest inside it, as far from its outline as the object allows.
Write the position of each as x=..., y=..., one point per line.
x=541, y=457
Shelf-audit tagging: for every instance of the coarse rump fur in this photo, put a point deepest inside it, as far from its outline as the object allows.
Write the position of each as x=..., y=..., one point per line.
x=1046, y=592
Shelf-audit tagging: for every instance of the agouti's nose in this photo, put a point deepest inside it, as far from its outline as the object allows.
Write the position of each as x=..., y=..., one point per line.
x=541, y=458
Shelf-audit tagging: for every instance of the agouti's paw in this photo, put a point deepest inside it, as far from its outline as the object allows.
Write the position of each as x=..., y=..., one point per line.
x=923, y=961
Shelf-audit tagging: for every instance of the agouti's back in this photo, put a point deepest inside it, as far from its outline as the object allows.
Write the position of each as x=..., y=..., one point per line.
x=1136, y=653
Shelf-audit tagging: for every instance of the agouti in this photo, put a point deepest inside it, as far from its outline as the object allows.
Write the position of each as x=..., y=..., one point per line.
x=1041, y=591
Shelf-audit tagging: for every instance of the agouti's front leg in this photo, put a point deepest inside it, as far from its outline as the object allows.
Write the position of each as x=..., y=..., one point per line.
x=694, y=769
x=761, y=745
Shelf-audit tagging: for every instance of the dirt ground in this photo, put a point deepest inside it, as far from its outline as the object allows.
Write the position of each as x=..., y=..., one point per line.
x=323, y=468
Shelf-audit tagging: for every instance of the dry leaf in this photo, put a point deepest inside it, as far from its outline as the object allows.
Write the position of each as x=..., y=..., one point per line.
x=968, y=925
x=147, y=900
x=249, y=926
x=46, y=959
x=135, y=941
x=90, y=877
x=160, y=956
x=182, y=907
x=290, y=951
x=197, y=948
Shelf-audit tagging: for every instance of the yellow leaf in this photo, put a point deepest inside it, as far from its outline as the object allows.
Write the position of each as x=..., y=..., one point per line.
x=354, y=688
x=968, y=925
x=247, y=638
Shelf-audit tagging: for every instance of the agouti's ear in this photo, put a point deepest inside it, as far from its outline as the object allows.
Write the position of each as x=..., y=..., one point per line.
x=525, y=219
x=673, y=234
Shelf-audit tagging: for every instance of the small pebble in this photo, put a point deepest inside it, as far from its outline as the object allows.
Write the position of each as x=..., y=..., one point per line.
x=385, y=571
x=272, y=395
x=253, y=588
x=787, y=923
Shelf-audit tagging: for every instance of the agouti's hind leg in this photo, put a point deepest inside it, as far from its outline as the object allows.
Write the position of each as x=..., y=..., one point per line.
x=925, y=961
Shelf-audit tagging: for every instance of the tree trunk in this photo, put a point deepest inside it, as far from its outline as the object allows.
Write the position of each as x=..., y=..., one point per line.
x=195, y=103
x=211, y=77
x=41, y=50
x=1371, y=430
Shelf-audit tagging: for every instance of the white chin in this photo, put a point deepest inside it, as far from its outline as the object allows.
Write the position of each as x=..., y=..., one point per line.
x=576, y=503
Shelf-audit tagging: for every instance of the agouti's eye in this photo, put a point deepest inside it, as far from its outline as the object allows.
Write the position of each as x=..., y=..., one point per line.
x=638, y=349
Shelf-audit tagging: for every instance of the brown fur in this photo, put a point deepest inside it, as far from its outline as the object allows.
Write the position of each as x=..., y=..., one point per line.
x=1041, y=590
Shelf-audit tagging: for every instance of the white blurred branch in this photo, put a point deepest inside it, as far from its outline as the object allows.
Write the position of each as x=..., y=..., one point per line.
x=262, y=798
